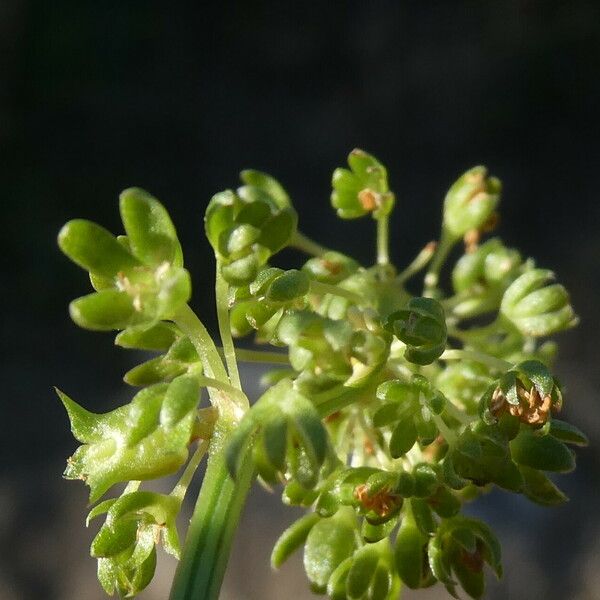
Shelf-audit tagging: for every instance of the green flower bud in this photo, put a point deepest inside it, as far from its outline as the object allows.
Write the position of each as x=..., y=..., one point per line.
x=290, y=434
x=362, y=189
x=246, y=228
x=422, y=327
x=536, y=308
x=470, y=202
x=331, y=267
x=126, y=544
x=408, y=553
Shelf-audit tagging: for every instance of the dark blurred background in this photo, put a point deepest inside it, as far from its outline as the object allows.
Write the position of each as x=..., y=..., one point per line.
x=177, y=97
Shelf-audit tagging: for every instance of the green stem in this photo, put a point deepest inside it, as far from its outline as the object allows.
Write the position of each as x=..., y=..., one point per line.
x=439, y=258
x=184, y=481
x=222, y=292
x=419, y=262
x=304, y=243
x=191, y=326
x=481, y=357
x=383, y=238
x=230, y=391
x=317, y=287
x=213, y=524
x=262, y=356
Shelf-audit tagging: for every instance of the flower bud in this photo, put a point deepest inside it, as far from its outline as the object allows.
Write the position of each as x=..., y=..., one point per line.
x=470, y=202
x=536, y=308
x=422, y=327
x=246, y=228
x=362, y=189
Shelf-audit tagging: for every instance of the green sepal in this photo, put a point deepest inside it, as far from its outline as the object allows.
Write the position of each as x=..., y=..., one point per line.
x=329, y=542
x=150, y=231
x=159, y=336
x=268, y=184
x=408, y=553
x=105, y=311
x=404, y=436
x=470, y=202
x=331, y=267
x=568, y=433
x=336, y=586
x=535, y=308
x=540, y=489
x=422, y=327
x=95, y=249
x=364, y=564
x=292, y=538
x=543, y=452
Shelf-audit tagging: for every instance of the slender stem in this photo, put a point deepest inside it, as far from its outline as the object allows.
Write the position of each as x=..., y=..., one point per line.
x=230, y=391
x=439, y=258
x=460, y=415
x=216, y=515
x=446, y=432
x=383, y=235
x=262, y=356
x=184, y=481
x=317, y=287
x=419, y=262
x=304, y=243
x=191, y=326
x=222, y=291
x=481, y=357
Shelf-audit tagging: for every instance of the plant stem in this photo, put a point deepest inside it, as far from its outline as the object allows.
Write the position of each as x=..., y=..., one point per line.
x=439, y=258
x=481, y=357
x=213, y=524
x=304, y=243
x=191, y=326
x=419, y=262
x=383, y=235
x=320, y=288
x=222, y=291
x=262, y=356
x=184, y=481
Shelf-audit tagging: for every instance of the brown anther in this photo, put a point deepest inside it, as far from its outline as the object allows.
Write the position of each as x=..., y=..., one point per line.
x=333, y=267
x=369, y=199
x=381, y=503
x=430, y=247
x=472, y=560
x=471, y=240
x=532, y=408
x=334, y=416
x=475, y=178
x=491, y=223
x=368, y=447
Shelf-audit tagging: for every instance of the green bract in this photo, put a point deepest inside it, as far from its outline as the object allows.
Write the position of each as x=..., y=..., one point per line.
x=388, y=411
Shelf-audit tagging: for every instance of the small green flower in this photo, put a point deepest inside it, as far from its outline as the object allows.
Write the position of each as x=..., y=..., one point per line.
x=470, y=202
x=537, y=307
x=362, y=189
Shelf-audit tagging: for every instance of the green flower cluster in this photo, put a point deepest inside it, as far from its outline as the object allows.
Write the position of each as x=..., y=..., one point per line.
x=388, y=411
